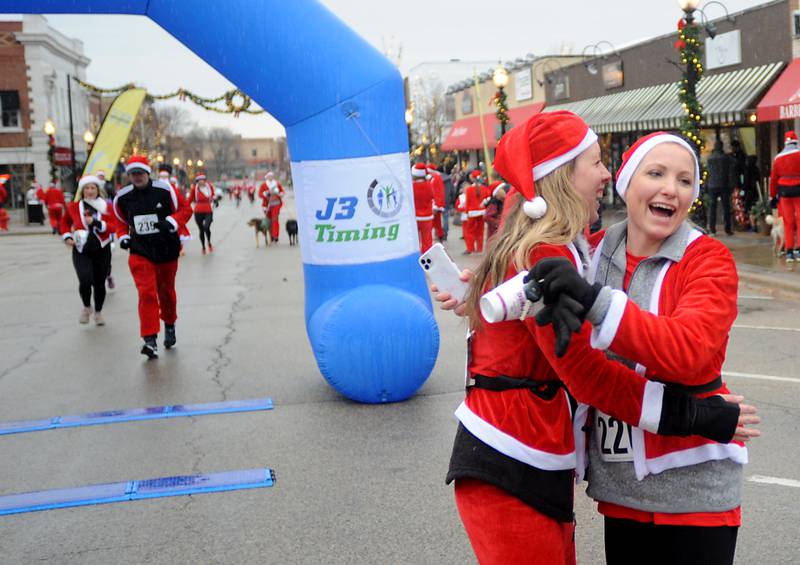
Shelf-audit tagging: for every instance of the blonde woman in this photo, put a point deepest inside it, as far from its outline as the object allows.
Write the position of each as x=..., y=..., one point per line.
x=515, y=452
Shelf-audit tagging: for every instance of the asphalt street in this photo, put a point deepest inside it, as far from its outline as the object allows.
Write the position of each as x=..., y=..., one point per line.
x=355, y=483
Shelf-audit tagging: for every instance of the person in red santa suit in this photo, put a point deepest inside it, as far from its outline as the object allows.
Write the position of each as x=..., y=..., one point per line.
x=437, y=184
x=784, y=190
x=202, y=196
x=494, y=207
x=150, y=214
x=87, y=228
x=54, y=200
x=165, y=175
x=271, y=193
x=517, y=448
x=474, y=195
x=3, y=197
x=423, y=205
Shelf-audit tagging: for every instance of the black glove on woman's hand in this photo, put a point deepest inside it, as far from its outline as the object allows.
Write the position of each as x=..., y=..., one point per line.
x=683, y=414
x=557, y=276
x=163, y=226
x=567, y=317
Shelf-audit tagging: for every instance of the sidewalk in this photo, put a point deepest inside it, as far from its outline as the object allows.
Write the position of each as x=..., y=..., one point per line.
x=755, y=260
x=17, y=225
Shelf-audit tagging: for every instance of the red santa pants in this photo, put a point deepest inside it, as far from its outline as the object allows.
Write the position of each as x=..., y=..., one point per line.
x=789, y=209
x=54, y=213
x=473, y=234
x=502, y=529
x=156, y=285
x=425, y=231
x=437, y=224
x=275, y=225
x=3, y=219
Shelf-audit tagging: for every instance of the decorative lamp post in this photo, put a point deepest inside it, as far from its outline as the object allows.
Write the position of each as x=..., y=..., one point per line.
x=500, y=80
x=409, y=121
x=50, y=130
x=199, y=162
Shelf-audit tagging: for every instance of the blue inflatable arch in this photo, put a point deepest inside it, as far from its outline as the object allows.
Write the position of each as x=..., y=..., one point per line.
x=367, y=309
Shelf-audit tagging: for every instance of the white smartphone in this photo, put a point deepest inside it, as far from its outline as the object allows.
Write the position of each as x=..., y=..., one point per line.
x=443, y=272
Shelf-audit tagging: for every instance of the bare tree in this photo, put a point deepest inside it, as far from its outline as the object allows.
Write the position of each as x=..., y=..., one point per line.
x=429, y=108
x=172, y=123
x=222, y=144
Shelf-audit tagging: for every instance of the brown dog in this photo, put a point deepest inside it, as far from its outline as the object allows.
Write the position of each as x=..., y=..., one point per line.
x=262, y=226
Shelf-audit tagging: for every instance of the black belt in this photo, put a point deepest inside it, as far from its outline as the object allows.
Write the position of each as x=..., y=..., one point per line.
x=542, y=389
x=697, y=389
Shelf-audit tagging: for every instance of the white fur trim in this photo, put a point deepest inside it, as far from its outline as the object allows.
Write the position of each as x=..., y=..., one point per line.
x=424, y=218
x=418, y=173
x=511, y=446
x=172, y=221
x=66, y=236
x=578, y=423
x=90, y=179
x=98, y=204
x=604, y=334
x=625, y=175
x=166, y=186
x=651, y=406
x=535, y=208
x=476, y=213
x=132, y=166
x=544, y=169
x=124, y=237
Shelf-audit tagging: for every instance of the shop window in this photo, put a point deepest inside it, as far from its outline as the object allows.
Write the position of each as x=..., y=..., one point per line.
x=796, y=19
x=254, y=153
x=9, y=109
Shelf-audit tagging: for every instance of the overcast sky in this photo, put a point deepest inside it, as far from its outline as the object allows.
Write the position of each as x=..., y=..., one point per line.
x=425, y=30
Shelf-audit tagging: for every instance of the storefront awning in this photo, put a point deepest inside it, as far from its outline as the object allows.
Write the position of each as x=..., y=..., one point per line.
x=725, y=97
x=466, y=133
x=782, y=101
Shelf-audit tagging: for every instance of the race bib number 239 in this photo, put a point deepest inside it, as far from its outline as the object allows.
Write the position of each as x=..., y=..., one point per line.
x=145, y=224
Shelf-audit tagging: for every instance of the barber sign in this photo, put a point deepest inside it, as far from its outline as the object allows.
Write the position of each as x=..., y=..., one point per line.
x=355, y=210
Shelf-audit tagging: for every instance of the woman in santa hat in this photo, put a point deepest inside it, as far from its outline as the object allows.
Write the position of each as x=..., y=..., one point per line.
x=669, y=315
x=87, y=228
x=202, y=196
x=515, y=453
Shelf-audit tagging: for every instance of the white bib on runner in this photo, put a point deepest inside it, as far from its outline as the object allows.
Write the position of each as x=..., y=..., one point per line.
x=613, y=438
x=145, y=224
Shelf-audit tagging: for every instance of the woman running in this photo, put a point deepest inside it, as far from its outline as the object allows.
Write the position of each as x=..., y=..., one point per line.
x=87, y=228
x=202, y=195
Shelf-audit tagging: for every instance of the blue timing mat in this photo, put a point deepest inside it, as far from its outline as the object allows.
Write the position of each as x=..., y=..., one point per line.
x=152, y=413
x=136, y=490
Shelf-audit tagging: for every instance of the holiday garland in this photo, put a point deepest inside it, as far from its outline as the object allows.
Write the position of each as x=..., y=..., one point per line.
x=502, y=108
x=691, y=51
x=235, y=100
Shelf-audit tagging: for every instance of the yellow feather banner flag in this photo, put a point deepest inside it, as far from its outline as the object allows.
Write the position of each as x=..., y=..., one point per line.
x=114, y=132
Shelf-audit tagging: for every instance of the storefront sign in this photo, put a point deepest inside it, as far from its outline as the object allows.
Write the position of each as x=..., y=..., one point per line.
x=724, y=50
x=561, y=87
x=613, y=76
x=62, y=156
x=523, y=85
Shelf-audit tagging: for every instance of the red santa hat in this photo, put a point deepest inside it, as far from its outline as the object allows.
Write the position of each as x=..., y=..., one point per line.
x=790, y=137
x=90, y=179
x=539, y=146
x=431, y=167
x=200, y=176
x=138, y=162
x=419, y=171
x=475, y=175
x=101, y=174
x=632, y=158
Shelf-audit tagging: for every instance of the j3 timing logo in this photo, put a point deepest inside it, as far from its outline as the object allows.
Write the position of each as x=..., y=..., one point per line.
x=384, y=200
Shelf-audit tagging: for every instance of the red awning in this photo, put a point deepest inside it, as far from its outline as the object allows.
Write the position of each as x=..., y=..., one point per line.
x=466, y=132
x=782, y=101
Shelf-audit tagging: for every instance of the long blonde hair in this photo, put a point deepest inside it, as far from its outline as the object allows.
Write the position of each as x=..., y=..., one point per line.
x=565, y=218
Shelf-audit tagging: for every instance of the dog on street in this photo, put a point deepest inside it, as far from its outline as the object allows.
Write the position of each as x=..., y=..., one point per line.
x=291, y=229
x=261, y=226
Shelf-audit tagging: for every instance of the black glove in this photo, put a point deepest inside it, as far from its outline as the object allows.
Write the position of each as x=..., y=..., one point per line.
x=163, y=226
x=567, y=317
x=125, y=243
x=682, y=415
x=773, y=203
x=556, y=276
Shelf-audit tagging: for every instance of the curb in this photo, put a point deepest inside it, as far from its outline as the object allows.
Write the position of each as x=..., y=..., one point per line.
x=770, y=285
x=18, y=233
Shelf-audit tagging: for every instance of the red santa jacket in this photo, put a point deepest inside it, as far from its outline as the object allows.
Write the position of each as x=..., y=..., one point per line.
x=54, y=198
x=74, y=219
x=681, y=338
x=784, y=180
x=534, y=430
x=202, y=200
x=475, y=195
x=268, y=198
x=437, y=184
x=423, y=199
x=3, y=195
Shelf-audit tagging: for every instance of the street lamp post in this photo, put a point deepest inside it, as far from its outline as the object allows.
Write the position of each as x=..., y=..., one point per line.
x=691, y=57
x=50, y=130
x=88, y=137
x=409, y=121
x=500, y=79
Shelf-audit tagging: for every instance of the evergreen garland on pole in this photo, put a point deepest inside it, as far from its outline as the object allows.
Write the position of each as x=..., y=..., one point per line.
x=502, y=107
x=691, y=51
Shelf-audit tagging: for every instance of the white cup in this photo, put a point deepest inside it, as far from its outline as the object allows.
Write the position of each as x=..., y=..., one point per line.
x=508, y=301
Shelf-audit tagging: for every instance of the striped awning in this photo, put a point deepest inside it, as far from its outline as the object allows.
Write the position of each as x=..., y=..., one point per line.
x=725, y=97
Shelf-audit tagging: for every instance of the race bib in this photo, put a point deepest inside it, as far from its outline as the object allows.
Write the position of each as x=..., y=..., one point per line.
x=145, y=224
x=613, y=438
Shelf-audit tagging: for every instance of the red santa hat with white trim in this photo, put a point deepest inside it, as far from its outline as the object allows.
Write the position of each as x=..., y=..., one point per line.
x=790, y=137
x=419, y=171
x=536, y=148
x=138, y=162
x=632, y=158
